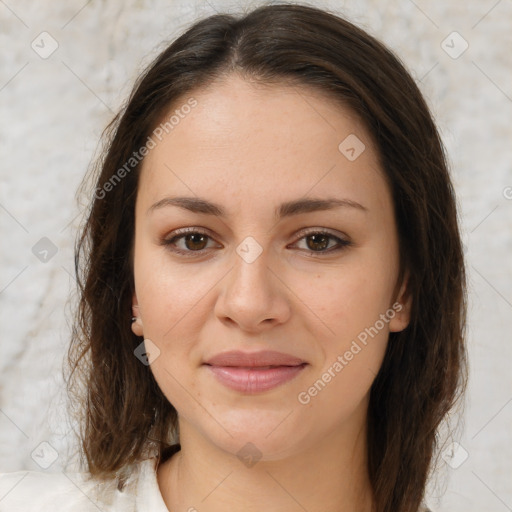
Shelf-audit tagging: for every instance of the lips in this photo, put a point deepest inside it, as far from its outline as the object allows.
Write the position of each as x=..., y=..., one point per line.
x=255, y=372
x=254, y=359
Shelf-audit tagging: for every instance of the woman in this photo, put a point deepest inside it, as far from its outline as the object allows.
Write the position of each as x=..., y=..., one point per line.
x=272, y=281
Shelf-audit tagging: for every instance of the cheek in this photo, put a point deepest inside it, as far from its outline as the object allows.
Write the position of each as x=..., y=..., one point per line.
x=351, y=306
x=348, y=299
x=174, y=304
x=352, y=303
x=183, y=393
x=167, y=294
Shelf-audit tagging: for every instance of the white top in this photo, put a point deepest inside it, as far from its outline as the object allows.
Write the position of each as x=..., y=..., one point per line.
x=35, y=491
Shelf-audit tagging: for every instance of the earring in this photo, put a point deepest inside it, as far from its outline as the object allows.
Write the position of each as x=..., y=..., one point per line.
x=134, y=319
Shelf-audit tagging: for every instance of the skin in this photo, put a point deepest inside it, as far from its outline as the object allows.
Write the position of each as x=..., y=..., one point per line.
x=249, y=148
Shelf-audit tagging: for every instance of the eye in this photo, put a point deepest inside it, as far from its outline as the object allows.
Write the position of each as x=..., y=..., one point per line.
x=192, y=240
x=321, y=242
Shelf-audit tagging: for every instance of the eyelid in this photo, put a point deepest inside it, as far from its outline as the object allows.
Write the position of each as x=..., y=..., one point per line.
x=323, y=231
x=303, y=232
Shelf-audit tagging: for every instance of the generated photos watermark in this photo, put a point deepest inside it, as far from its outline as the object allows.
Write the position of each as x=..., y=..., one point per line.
x=137, y=156
x=304, y=397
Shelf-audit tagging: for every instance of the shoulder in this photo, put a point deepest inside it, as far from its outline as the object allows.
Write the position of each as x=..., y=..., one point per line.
x=35, y=491
x=26, y=491
x=31, y=491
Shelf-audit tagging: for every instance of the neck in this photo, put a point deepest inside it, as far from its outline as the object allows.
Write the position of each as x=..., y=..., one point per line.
x=330, y=476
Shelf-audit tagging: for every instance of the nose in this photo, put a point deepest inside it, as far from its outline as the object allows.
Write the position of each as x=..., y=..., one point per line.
x=253, y=296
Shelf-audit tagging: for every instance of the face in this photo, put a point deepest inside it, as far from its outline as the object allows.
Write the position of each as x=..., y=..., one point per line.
x=258, y=259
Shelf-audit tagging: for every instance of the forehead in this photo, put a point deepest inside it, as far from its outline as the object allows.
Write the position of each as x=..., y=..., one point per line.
x=260, y=141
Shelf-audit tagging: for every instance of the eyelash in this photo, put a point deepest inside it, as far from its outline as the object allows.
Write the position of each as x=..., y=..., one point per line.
x=169, y=242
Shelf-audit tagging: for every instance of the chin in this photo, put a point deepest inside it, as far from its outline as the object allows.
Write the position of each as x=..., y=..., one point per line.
x=266, y=435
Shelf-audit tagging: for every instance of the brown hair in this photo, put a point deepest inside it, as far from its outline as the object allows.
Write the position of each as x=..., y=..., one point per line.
x=124, y=415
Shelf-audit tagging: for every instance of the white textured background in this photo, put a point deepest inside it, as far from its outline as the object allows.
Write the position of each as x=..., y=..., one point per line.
x=52, y=112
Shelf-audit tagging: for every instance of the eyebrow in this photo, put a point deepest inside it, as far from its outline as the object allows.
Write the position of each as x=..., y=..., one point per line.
x=287, y=209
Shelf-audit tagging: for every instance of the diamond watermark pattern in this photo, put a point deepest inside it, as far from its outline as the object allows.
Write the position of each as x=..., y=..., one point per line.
x=249, y=454
x=351, y=147
x=147, y=352
x=44, y=455
x=249, y=250
x=44, y=250
x=454, y=45
x=44, y=45
x=455, y=455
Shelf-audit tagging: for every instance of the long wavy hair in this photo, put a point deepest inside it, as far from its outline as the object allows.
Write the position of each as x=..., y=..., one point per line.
x=123, y=415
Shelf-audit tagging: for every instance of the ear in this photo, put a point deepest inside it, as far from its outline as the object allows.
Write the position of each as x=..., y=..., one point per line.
x=136, y=320
x=401, y=307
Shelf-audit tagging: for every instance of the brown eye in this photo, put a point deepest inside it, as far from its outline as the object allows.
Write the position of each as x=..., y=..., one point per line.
x=322, y=242
x=192, y=241
x=195, y=241
x=317, y=242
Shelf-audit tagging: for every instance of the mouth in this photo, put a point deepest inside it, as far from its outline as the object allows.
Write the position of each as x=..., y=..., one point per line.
x=255, y=372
